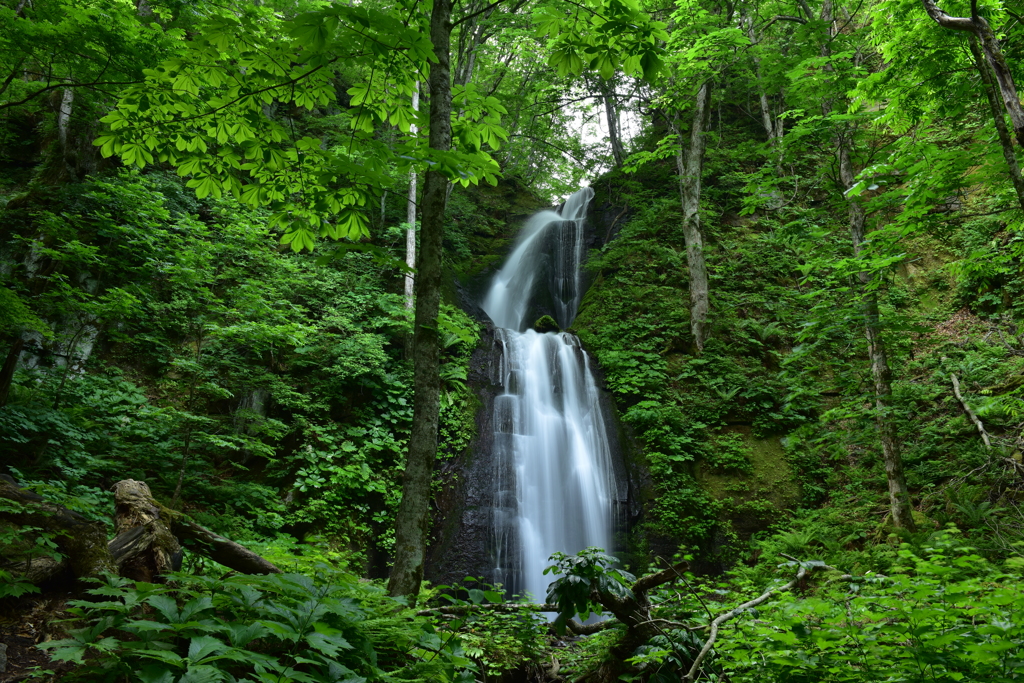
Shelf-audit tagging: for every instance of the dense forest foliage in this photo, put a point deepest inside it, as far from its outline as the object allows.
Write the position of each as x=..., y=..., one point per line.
x=806, y=305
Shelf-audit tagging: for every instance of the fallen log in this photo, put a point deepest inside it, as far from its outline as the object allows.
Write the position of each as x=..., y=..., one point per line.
x=146, y=546
x=83, y=543
x=970, y=413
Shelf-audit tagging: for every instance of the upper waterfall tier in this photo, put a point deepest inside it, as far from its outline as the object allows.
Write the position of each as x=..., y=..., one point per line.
x=554, y=483
x=549, y=248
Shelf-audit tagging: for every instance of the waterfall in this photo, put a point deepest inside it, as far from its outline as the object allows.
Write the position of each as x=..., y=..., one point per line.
x=555, y=487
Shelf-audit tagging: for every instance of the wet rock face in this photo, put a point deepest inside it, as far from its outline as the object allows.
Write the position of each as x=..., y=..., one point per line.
x=463, y=529
x=546, y=323
x=462, y=525
x=600, y=227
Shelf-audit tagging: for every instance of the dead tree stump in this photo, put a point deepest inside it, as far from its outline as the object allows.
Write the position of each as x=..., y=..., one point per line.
x=144, y=546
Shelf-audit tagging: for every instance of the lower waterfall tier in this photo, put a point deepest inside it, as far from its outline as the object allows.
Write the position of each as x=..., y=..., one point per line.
x=555, y=486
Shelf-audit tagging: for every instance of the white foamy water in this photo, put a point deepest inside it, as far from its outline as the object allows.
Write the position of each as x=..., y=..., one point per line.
x=554, y=480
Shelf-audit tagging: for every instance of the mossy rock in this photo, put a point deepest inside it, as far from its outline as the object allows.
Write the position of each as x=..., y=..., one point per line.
x=546, y=323
x=755, y=493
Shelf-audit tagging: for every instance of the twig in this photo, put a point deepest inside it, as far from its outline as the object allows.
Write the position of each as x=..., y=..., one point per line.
x=494, y=607
x=589, y=629
x=608, y=234
x=970, y=413
x=717, y=623
x=1015, y=465
x=572, y=625
x=690, y=588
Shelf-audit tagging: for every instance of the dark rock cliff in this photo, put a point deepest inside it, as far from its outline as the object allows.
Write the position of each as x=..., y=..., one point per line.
x=462, y=535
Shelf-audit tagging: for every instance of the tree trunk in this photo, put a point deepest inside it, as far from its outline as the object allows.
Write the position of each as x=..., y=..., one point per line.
x=980, y=27
x=635, y=613
x=7, y=371
x=1007, y=88
x=999, y=118
x=611, y=112
x=410, y=214
x=146, y=544
x=144, y=541
x=64, y=117
x=690, y=165
x=204, y=542
x=899, y=497
x=412, y=519
x=772, y=124
x=82, y=542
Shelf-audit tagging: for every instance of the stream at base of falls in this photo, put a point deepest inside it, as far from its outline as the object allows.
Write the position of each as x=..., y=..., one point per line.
x=554, y=481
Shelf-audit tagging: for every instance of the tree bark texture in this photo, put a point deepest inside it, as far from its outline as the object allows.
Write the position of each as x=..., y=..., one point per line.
x=411, y=522
x=143, y=533
x=635, y=613
x=146, y=544
x=611, y=112
x=979, y=26
x=64, y=117
x=690, y=164
x=82, y=542
x=7, y=371
x=410, y=214
x=899, y=497
x=773, y=124
x=999, y=118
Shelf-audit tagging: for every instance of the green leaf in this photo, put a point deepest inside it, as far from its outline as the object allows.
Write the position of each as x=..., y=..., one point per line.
x=154, y=673
x=327, y=640
x=166, y=605
x=202, y=646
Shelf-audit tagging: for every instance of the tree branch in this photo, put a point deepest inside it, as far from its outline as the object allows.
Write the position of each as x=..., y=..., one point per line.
x=10, y=78
x=459, y=610
x=717, y=623
x=646, y=583
x=62, y=84
x=970, y=413
x=782, y=17
x=549, y=144
x=478, y=13
x=1013, y=14
x=83, y=542
x=947, y=21
x=589, y=629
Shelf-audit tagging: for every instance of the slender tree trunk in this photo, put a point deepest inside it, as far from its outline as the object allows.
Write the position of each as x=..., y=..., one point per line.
x=7, y=371
x=412, y=519
x=470, y=63
x=611, y=112
x=65, y=154
x=899, y=497
x=64, y=117
x=690, y=164
x=67, y=366
x=186, y=452
x=772, y=124
x=185, y=457
x=979, y=26
x=1007, y=88
x=410, y=214
x=999, y=118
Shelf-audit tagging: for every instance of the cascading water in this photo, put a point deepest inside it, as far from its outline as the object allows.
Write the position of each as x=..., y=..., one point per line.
x=555, y=487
